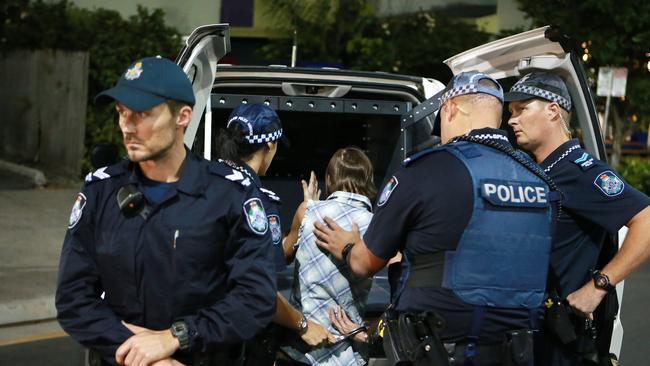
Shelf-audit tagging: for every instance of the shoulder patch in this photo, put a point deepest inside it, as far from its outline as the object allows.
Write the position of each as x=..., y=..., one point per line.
x=256, y=216
x=609, y=183
x=585, y=161
x=387, y=191
x=276, y=228
x=77, y=210
x=270, y=194
x=221, y=169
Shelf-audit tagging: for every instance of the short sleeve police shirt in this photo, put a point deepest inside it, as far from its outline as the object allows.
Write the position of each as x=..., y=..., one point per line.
x=595, y=201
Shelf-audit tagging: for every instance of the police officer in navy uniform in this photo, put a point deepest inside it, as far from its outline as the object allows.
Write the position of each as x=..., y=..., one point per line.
x=597, y=202
x=473, y=219
x=167, y=258
x=249, y=143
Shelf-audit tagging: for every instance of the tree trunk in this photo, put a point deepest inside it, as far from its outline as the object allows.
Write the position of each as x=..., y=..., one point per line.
x=617, y=136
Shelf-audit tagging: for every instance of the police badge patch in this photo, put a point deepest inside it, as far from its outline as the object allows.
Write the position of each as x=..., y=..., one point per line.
x=77, y=210
x=276, y=228
x=388, y=189
x=134, y=72
x=256, y=216
x=608, y=183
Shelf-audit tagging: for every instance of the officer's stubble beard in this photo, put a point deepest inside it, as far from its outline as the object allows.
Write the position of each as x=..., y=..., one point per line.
x=175, y=140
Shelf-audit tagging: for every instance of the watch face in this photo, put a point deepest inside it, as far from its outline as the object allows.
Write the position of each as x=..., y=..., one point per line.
x=601, y=281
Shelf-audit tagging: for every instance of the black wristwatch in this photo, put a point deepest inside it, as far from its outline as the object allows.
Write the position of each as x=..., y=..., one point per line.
x=345, y=253
x=179, y=330
x=601, y=281
x=303, y=325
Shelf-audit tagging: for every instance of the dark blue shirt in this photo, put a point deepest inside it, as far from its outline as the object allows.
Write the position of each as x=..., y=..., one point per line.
x=202, y=256
x=154, y=190
x=596, y=201
x=425, y=213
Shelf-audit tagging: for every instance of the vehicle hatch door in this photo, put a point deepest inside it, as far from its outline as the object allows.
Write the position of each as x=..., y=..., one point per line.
x=205, y=46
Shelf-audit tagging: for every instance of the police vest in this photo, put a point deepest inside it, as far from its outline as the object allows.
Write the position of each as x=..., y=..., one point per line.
x=502, y=257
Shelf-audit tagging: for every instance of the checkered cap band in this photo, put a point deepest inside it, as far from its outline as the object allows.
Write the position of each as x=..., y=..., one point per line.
x=459, y=90
x=544, y=94
x=265, y=137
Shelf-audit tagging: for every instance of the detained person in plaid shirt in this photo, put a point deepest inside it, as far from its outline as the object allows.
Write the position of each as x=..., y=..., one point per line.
x=248, y=145
x=325, y=283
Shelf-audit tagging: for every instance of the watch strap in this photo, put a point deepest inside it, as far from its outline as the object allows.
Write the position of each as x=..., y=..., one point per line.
x=601, y=281
x=303, y=324
x=345, y=253
x=180, y=331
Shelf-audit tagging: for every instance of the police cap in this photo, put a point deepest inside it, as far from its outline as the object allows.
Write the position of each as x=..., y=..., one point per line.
x=149, y=82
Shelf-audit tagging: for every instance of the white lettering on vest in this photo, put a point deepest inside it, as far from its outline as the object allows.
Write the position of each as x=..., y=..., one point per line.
x=527, y=191
x=541, y=194
x=515, y=193
x=503, y=193
x=490, y=189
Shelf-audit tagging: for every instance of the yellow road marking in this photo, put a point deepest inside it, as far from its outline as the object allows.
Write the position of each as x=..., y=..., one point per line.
x=33, y=338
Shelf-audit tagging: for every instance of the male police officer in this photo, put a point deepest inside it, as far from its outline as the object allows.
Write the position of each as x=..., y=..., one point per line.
x=473, y=219
x=596, y=201
x=166, y=254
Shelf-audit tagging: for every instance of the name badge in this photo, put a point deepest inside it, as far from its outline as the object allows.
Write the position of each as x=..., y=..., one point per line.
x=514, y=194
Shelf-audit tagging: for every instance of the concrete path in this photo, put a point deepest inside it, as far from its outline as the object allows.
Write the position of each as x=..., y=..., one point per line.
x=32, y=227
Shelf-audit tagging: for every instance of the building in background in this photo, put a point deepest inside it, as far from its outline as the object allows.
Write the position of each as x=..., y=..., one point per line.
x=251, y=27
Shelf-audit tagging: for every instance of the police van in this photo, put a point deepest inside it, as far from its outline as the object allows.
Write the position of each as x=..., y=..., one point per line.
x=389, y=116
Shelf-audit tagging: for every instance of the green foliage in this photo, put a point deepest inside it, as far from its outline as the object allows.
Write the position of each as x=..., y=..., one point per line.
x=348, y=33
x=636, y=171
x=113, y=43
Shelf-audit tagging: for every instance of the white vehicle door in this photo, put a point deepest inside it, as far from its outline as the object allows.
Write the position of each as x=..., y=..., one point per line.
x=198, y=58
x=546, y=49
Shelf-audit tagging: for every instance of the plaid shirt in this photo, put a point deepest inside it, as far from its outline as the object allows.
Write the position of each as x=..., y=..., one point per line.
x=324, y=281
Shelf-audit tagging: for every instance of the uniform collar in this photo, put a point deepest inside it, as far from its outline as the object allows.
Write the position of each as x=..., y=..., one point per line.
x=354, y=199
x=191, y=181
x=251, y=173
x=490, y=134
x=560, y=151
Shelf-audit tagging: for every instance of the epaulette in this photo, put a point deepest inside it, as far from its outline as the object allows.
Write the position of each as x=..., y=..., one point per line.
x=271, y=194
x=582, y=159
x=232, y=174
x=106, y=172
x=420, y=154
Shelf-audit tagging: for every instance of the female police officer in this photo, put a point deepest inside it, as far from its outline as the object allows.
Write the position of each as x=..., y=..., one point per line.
x=164, y=244
x=249, y=143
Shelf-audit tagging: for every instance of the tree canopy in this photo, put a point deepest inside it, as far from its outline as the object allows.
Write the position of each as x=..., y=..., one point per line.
x=112, y=41
x=348, y=34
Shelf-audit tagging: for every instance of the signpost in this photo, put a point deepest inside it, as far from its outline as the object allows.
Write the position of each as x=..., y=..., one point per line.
x=611, y=83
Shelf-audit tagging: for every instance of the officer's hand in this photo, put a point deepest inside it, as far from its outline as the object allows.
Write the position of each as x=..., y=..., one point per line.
x=146, y=346
x=310, y=191
x=167, y=362
x=333, y=238
x=344, y=325
x=317, y=335
x=586, y=299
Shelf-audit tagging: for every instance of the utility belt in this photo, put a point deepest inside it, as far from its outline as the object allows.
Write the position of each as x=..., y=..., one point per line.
x=589, y=340
x=412, y=339
x=263, y=348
